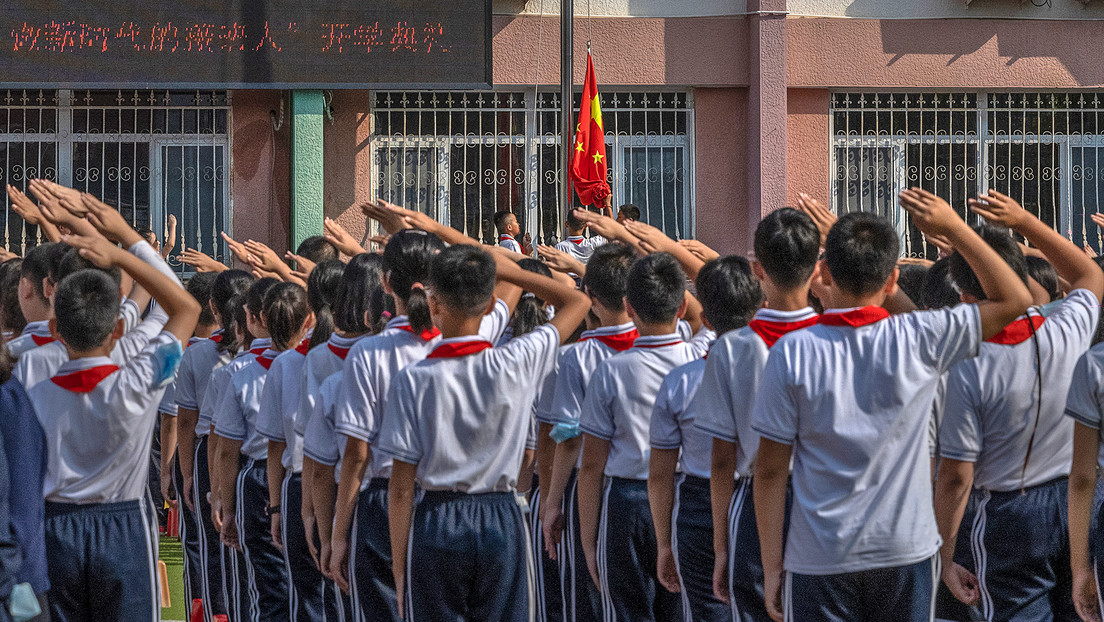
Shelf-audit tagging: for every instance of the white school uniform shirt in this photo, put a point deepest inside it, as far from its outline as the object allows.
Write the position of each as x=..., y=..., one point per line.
x=99, y=421
x=322, y=362
x=991, y=407
x=1085, y=403
x=372, y=364
x=34, y=334
x=731, y=379
x=574, y=370
x=622, y=395
x=853, y=396
x=580, y=247
x=321, y=442
x=508, y=241
x=220, y=379
x=672, y=425
x=200, y=361
x=462, y=417
x=240, y=404
x=279, y=403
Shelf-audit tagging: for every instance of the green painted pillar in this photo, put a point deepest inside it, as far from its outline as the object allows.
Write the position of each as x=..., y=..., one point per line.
x=307, y=172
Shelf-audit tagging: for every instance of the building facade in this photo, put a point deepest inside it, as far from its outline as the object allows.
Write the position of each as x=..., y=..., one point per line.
x=716, y=112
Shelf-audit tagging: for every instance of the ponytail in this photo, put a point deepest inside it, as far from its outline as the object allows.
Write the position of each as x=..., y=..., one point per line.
x=323, y=286
x=285, y=311
x=227, y=291
x=530, y=312
x=238, y=322
x=360, y=286
x=406, y=259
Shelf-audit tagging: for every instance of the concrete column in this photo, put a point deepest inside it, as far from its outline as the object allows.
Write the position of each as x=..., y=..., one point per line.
x=307, y=172
x=767, y=108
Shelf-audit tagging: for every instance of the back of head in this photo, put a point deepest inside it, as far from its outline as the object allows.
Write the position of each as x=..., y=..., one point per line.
x=237, y=322
x=199, y=286
x=406, y=262
x=607, y=273
x=55, y=255
x=1001, y=241
x=939, y=288
x=573, y=222
x=861, y=252
x=229, y=286
x=911, y=279
x=36, y=266
x=462, y=278
x=11, y=314
x=316, y=249
x=285, y=310
x=656, y=288
x=323, y=284
x=628, y=211
x=359, y=283
x=729, y=293
x=529, y=312
x=501, y=219
x=86, y=305
x=787, y=245
x=255, y=295
x=73, y=262
x=1045, y=275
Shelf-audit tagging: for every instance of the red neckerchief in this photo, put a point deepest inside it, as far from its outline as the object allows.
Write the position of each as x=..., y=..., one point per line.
x=426, y=334
x=504, y=237
x=217, y=338
x=855, y=317
x=303, y=347
x=1018, y=331
x=258, y=351
x=41, y=341
x=339, y=351
x=771, y=331
x=265, y=361
x=619, y=342
x=84, y=380
x=576, y=240
x=456, y=349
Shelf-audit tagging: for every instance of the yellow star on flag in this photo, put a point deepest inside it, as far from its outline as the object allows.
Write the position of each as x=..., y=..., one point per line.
x=579, y=147
x=598, y=157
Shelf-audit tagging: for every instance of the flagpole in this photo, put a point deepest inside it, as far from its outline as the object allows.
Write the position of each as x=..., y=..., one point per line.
x=567, y=83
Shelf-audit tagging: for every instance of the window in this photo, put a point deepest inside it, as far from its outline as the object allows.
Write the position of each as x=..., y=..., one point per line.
x=1043, y=149
x=148, y=153
x=462, y=156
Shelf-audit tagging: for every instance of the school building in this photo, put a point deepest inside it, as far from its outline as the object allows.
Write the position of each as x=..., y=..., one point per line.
x=716, y=112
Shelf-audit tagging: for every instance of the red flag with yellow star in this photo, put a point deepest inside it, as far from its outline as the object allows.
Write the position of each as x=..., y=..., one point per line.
x=588, y=161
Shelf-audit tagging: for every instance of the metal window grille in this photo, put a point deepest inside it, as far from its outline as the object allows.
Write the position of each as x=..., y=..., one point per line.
x=148, y=153
x=462, y=156
x=1046, y=150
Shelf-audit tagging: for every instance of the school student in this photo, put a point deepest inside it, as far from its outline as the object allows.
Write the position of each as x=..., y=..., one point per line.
x=34, y=275
x=246, y=517
x=862, y=542
x=679, y=466
x=786, y=249
x=198, y=365
x=98, y=420
x=576, y=245
x=456, y=424
x=506, y=223
x=604, y=282
x=1005, y=443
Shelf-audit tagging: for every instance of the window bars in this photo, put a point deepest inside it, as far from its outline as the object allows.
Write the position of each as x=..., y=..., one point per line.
x=148, y=153
x=461, y=156
x=1046, y=150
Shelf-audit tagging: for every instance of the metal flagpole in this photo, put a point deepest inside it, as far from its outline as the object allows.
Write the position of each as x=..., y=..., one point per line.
x=567, y=83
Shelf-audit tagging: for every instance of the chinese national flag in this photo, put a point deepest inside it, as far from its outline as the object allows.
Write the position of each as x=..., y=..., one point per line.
x=588, y=161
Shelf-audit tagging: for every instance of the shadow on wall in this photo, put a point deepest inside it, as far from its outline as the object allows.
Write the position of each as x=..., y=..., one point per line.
x=348, y=159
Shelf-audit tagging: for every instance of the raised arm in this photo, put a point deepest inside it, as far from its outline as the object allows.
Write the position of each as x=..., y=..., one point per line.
x=1069, y=262
x=28, y=210
x=653, y=240
x=609, y=228
x=1007, y=296
x=571, y=304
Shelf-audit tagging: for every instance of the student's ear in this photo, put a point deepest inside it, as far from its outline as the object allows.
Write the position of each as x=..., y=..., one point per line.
x=629, y=309
x=119, y=331
x=490, y=306
x=310, y=321
x=386, y=283
x=824, y=273
x=758, y=271
x=214, y=312
x=682, y=307
x=706, y=322
x=891, y=283
x=48, y=288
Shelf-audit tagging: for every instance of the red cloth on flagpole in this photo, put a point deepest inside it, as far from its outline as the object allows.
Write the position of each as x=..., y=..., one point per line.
x=588, y=161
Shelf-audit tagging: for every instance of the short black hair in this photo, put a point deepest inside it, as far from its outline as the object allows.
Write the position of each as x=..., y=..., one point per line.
x=463, y=277
x=316, y=249
x=1001, y=241
x=359, y=284
x=1045, y=275
x=861, y=252
x=36, y=266
x=323, y=286
x=573, y=221
x=199, y=286
x=729, y=293
x=630, y=211
x=500, y=219
x=939, y=287
x=54, y=257
x=910, y=278
x=11, y=314
x=655, y=288
x=72, y=262
x=607, y=272
x=86, y=305
x=787, y=245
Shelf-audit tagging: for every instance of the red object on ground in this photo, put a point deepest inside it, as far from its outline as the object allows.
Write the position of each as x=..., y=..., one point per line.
x=173, y=528
x=197, y=611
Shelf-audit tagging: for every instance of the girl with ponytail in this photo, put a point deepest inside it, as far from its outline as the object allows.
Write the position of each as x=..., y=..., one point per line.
x=323, y=286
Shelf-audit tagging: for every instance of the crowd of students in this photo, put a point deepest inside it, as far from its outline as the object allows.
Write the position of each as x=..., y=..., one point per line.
x=632, y=429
